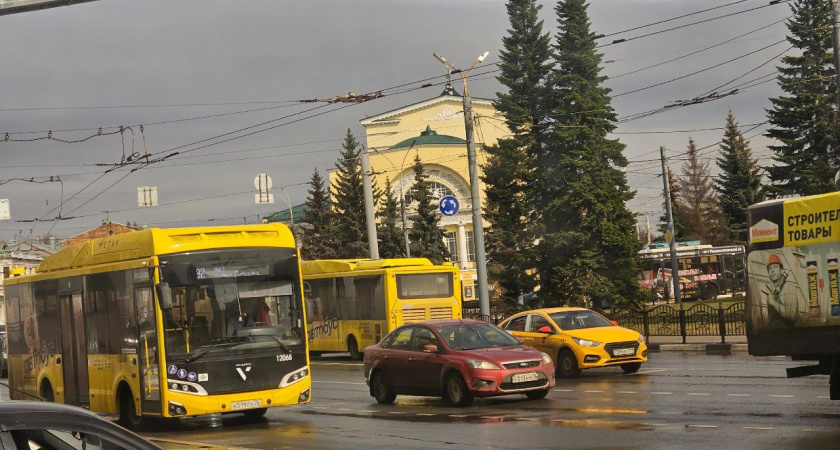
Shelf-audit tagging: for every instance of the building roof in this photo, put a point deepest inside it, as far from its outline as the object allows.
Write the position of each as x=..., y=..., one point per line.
x=429, y=137
x=393, y=115
x=283, y=215
x=106, y=229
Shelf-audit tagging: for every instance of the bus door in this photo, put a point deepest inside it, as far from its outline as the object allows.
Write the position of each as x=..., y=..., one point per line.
x=149, y=354
x=74, y=354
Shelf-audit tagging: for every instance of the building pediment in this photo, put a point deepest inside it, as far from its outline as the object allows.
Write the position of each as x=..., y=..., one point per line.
x=445, y=107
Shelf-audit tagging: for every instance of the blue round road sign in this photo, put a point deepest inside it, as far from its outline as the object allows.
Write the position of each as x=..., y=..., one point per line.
x=449, y=205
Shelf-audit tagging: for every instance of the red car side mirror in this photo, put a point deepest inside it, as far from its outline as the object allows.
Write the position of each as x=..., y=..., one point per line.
x=545, y=329
x=614, y=322
x=430, y=348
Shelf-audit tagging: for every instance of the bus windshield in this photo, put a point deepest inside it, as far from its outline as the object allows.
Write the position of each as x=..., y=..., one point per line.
x=223, y=300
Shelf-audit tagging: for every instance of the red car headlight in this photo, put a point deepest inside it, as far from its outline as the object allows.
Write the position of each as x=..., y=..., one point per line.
x=482, y=364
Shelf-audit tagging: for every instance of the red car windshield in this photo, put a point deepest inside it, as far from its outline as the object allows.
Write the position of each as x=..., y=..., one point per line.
x=475, y=336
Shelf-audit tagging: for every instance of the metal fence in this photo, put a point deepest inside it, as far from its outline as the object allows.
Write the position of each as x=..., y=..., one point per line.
x=701, y=319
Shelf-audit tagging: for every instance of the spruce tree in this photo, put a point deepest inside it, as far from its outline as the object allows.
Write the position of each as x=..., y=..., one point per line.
x=349, y=222
x=318, y=242
x=426, y=236
x=509, y=186
x=588, y=254
x=739, y=183
x=805, y=126
x=700, y=214
x=390, y=234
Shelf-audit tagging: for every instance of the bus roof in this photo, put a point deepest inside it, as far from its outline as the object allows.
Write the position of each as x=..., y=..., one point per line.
x=319, y=266
x=160, y=241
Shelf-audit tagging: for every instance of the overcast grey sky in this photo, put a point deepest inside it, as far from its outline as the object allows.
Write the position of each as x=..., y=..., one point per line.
x=160, y=62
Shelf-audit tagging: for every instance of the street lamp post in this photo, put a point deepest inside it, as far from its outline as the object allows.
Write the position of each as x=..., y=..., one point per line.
x=402, y=195
x=478, y=225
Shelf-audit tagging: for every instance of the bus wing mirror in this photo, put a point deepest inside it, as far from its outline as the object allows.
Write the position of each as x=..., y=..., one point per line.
x=164, y=295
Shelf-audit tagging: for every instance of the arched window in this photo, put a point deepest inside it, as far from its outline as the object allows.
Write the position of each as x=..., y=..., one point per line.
x=437, y=189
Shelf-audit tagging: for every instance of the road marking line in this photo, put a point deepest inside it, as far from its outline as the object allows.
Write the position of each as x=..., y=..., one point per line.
x=367, y=411
x=397, y=412
x=314, y=363
x=758, y=428
x=322, y=407
x=337, y=382
x=701, y=426
x=564, y=390
x=344, y=409
x=627, y=392
x=738, y=395
x=823, y=396
x=492, y=417
x=650, y=371
x=594, y=392
x=458, y=416
x=699, y=393
x=647, y=424
x=426, y=414
x=661, y=393
x=781, y=396
x=189, y=443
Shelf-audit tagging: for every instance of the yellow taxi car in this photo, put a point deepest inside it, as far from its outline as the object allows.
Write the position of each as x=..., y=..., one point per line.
x=577, y=339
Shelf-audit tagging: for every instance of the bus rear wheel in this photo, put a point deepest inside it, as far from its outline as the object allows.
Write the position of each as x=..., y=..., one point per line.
x=709, y=291
x=353, y=348
x=128, y=414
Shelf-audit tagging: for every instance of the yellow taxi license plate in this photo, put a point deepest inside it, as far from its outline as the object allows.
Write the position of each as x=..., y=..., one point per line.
x=246, y=404
x=624, y=351
x=523, y=377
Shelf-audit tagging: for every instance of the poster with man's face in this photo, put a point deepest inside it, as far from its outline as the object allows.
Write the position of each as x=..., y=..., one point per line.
x=794, y=287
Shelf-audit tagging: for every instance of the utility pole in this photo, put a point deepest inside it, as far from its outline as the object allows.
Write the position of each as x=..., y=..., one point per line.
x=669, y=235
x=835, y=22
x=370, y=214
x=475, y=198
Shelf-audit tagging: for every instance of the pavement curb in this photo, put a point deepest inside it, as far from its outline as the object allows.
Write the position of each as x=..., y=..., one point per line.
x=708, y=348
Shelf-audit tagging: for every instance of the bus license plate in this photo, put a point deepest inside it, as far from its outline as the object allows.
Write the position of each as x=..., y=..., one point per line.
x=244, y=404
x=523, y=377
x=624, y=351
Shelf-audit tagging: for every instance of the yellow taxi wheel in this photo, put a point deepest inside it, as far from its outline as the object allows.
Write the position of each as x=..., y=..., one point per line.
x=631, y=367
x=567, y=365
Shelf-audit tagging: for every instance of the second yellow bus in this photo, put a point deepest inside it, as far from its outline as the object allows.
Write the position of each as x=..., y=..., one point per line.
x=354, y=303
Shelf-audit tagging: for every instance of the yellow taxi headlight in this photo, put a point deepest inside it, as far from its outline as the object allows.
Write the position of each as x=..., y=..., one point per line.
x=586, y=342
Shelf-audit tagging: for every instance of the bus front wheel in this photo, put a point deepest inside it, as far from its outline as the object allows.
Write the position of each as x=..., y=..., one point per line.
x=353, y=348
x=254, y=414
x=128, y=413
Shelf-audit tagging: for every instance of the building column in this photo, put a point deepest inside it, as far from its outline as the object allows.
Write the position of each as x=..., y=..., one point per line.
x=462, y=246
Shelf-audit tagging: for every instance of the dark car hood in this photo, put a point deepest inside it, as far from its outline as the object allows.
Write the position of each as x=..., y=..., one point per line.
x=502, y=354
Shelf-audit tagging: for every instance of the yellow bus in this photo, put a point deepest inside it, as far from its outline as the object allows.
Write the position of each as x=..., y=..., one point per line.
x=163, y=323
x=354, y=303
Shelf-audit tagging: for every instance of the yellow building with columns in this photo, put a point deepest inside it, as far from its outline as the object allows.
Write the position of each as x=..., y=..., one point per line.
x=434, y=130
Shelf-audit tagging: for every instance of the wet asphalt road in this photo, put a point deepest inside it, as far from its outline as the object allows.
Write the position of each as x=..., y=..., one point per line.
x=677, y=400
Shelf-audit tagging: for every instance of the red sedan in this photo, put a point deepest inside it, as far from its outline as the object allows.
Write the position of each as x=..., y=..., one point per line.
x=455, y=359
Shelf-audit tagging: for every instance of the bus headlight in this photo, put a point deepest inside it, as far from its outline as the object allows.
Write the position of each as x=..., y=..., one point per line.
x=294, y=377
